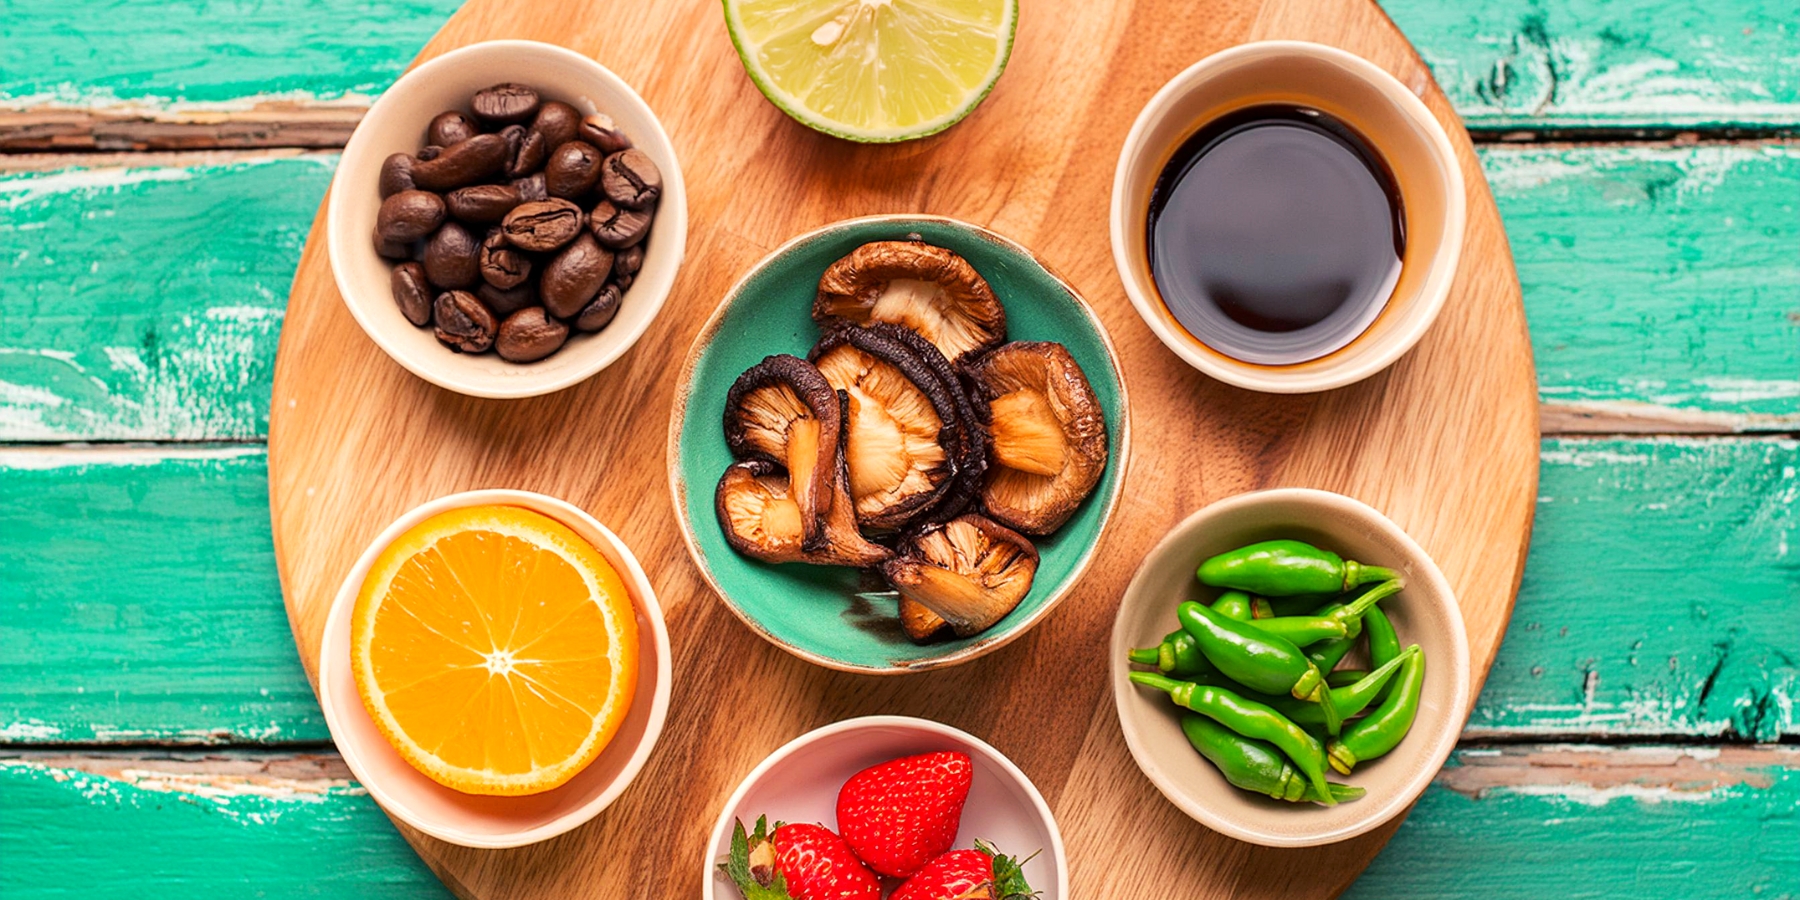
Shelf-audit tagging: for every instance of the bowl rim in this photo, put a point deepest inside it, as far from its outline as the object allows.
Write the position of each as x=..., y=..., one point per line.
x=1446, y=734
x=727, y=813
x=678, y=418
x=447, y=374
x=643, y=597
x=1433, y=292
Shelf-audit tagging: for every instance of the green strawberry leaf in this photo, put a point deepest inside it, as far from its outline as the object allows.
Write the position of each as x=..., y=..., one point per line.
x=737, y=865
x=1009, y=874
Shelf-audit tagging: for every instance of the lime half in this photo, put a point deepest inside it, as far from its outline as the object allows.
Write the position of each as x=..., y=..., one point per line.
x=874, y=70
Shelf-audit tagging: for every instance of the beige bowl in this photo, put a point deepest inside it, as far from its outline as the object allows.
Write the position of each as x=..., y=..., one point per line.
x=1425, y=613
x=1355, y=91
x=482, y=821
x=396, y=124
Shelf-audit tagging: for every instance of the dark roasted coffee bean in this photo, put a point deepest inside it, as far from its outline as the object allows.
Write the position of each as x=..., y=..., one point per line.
x=574, y=276
x=529, y=335
x=476, y=159
x=618, y=227
x=501, y=265
x=623, y=281
x=430, y=152
x=411, y=292
x=630, y=261
x=572, y=170
x=600, y=311
x=452, y=257
x=505, y=104
x=396, y=175
x=599, y=130
x=630, y=179
x=463, y=323
x=482, y=204
x=528, y=153
x=506, y=302
x=557, y=122
x=451, y=127
x=408, y=216
x=544, y=225
x=531, y=188
x=391, y=249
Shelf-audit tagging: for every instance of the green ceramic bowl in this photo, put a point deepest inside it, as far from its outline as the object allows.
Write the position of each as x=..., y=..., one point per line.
x=814, y=612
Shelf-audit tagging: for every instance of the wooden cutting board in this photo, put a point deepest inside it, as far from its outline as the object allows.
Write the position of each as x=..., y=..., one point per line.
x=1445, y=442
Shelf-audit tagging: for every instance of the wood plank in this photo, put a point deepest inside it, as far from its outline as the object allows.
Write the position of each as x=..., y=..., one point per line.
x=1510, y=821
x=1658, y=282
x=115, y=75
x=160, y=564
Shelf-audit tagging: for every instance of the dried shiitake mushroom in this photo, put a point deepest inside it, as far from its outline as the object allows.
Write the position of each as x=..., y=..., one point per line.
x=901, y=420
x=762, y=521
x=921, y=624
x=968, y=445
x=971, y=571
x=783, y=411
x=928, y=289
x=1047, y=435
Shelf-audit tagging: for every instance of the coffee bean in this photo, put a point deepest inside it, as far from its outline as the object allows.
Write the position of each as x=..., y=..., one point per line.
x=463, y=324
x=482, y=204
x=599, y=130
x=531, y=188
x=451, y=127
x=429, y=152
x=530, y=335
x=411, y=293
x=574, y=276
x=408, y=216
x=476, y=159
x=617, y=227
x=391, y=249
x=452, y=257
x=600, y=311
x=543, y=225
x=558, y=122
x=505, y=104
x=630, y=260
x=528, y=151
x=624, y=282
x=508, y=301
x=572, y=170
x=501, y=265
x=630, y=179
x=396, y=175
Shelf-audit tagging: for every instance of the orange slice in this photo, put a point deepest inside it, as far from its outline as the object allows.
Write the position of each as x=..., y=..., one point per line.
x=495, y=649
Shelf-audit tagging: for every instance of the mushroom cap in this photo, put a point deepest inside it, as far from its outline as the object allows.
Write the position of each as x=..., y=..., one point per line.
x=762, y=521
x=782, y=411
x=928, y=289
x=971, y=571
x=1047, y=435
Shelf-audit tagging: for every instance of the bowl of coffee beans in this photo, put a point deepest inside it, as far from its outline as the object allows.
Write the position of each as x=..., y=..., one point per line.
x=507, y=238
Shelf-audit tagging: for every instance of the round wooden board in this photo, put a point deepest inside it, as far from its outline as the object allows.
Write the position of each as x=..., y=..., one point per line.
x=1445, y=442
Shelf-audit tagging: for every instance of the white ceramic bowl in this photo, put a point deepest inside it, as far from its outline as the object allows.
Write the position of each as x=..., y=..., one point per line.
x=800, y=782
x=396, y=124
x=496, y=822
x=1354, y=90
x=1425, y=613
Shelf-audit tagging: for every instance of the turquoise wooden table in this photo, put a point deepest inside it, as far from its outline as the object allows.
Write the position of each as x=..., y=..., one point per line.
x=160, y=163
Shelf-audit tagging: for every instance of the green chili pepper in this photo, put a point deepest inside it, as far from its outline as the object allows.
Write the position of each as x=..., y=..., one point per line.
x=1287, y=568
x=1388, y=724
x=1340, y=677
x=1384, y=643
x=1300, y=604
x=1327, y=654
x=1250, y=719
x=1234, y=605
x=1349, y=699
x=1332, y=623
x=1255, y=765
x=1254, y=659
x=1177, y=655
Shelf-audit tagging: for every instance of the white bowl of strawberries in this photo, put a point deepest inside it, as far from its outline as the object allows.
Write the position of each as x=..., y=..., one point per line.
x=886, y=806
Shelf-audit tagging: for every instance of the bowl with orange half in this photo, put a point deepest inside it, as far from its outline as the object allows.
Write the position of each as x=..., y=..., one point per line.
x=495, y=669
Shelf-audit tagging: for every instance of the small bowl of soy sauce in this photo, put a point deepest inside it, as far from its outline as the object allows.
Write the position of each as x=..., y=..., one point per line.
x=1287, y=216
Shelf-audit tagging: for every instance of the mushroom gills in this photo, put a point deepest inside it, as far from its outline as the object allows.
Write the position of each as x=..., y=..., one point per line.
x=1047, y=435
x=783, y=411
x=921, y=624
x=762, y=520
x=971, y=571
x=928, y=289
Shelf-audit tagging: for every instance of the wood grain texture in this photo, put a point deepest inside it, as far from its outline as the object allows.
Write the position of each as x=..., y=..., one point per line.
x=354, y=441
x=1658, y=282
x=1499, y=822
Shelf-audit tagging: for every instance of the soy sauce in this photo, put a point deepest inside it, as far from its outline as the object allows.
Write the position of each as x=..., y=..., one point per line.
x=1276, y=234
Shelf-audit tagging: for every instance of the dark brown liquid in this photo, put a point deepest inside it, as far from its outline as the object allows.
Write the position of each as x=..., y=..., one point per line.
x=1276, y=234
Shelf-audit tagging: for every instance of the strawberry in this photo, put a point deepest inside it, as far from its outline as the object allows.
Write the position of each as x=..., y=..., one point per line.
x=978, y=874
x=797, y=862
x=900, y=814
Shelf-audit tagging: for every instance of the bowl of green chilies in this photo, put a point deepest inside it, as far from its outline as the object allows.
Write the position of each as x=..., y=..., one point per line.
x=1290, y=667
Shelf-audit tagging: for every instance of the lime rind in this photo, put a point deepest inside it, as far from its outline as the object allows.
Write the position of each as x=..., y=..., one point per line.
x=1003, y=33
